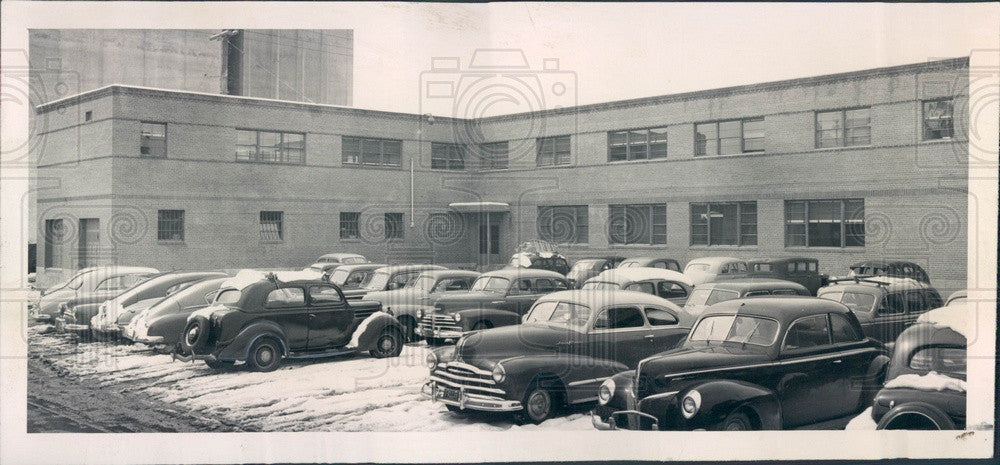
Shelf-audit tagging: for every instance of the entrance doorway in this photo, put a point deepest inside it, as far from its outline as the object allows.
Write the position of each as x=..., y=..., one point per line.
x=90, y=242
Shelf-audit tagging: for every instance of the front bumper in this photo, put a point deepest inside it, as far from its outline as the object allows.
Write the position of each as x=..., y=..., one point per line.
x=438, y=333
x=459, y=398
x=140, y=335
x=633, y=416
x=63, y=326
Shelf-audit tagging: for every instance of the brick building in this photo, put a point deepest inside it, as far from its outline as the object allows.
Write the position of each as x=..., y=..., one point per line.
x=842, y=167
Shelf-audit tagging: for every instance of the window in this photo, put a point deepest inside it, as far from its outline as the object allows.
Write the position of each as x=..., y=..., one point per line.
x=729, y=137
x=495, y=156
x=374, y=152
x=637, y=144
x=349, y=225
x=118, y=283
x=153, y=140
x=729, y=223
x=735, y=328
x=170, y=225
x=452, y=284
x=637, y=224
x=393, y=225
x=564, y=224
x=669, y=290
x=493, y=237
x=271, y=226
x=270, y=146
x=946, y=360
x=553, y=151
x=324, y=295
x=808, y=332
x=619, y=318
x=938, y=119
x=660, y=317
x=447, y=157
x=55, y=238
x=286, y=297
x=88, y=115
x=843, y=128
x=842, y=329
x=544, y=286
x=825, y=223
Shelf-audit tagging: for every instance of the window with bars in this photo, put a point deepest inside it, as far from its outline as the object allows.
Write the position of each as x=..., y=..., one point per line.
x=270, y=146
x=637, y=144
x=939, y=119
x=447, y=156
x=170, y=225
x=271, y=227
x=729, y=137
x=843, y=128
x=153, y=140
x=495, y=156
x=394, y=226
x=724, y=223
x=637, y=224
x=55, y=239
x=825, y=223
x=567, y=224
x=373, y=152
x=553, y=151
x=350, y=225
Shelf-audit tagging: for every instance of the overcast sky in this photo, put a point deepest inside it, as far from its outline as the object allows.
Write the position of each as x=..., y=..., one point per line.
x=627, y=51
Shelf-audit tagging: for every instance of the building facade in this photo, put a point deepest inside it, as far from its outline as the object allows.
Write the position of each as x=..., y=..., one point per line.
x=859, y=165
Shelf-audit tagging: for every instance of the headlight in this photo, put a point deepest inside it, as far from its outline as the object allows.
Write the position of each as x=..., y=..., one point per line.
x=691, y=403
x=458, y=317
x=432, y=361
x=499, y=374
x=606, y=391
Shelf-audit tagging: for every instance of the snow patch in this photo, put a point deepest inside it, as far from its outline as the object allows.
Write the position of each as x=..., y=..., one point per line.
x=206, y=312
x=863, y=421
x=247, y=277
x=955, y=317
x=356, y=337
x=932, y=381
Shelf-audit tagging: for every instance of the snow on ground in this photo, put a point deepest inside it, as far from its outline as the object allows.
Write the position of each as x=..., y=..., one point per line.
x=863, y=421
x=352, y=393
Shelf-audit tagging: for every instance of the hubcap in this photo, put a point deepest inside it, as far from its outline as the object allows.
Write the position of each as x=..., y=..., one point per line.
x=192, y=335
x=736, y=425
x=265, y=355
x=386, y=344
x=538, y=404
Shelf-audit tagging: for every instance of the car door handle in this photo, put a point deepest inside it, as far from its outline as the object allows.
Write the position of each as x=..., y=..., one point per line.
x=838, y=361
x=650, y=337
x=498, y=302
x=312, y=315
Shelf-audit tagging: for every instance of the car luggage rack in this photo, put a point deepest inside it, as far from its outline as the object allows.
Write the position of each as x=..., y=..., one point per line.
x=861, y=279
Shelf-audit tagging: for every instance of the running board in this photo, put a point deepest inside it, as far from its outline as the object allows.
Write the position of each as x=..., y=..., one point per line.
x=328, y=353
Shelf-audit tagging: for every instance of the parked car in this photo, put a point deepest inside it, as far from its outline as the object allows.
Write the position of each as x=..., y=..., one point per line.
x=707, y=269
x=959, y=296
x=569, y=342
x=766, y=363
x=107, y=318
x=497, y=298
x=668, y=284
x=98, y=283
x=925, y=386
x=342, y=258
x=390, y=278
x=890, y=268
x=586, y=268
x=405, y=303
x=552, y=261
x=804, y=271
x=651, y=262
x=351, y=277
x=262, y=319
x=162, y=324
x=884, y=305
x=75, y=314
x=708, y=294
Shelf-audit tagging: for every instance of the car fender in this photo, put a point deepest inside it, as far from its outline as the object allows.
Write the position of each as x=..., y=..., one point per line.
x=367, y=333
x=239, y=348
x=83, y=313
x=721, y=397
x=494, y=316
x=921, y=409
x=579, y=375
x=406, y=310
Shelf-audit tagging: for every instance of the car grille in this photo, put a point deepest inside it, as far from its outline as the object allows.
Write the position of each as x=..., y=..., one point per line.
x=470, y=379
x=642, y=386
x=437, y=321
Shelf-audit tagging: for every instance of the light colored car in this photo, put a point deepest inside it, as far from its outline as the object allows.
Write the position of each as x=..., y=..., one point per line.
x=707, y=269
x=107, y=280
x=405, y=303
x=668, y=284
x=324, y=262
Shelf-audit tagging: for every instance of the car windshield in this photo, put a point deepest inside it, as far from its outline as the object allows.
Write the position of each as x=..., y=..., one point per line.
x=353, y=260
x=760, y=267
x=491, y=283
x=587, y=265
x=423, y=283
x=228, y=297
x=697, y=267
x=628, y=264
x=741, y=329
x=709, y=296
x=339, y=277
x=600, y=285
x=856, y=301
x=560, y=313
x=378, y=281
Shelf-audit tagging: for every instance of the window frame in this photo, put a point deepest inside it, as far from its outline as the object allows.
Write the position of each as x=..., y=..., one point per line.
x=576, y=209
x=656, y=237
x=392, y=217
x=702, y=151
x=842, y=141
x=383, y=155
x=55, y=240
x=143, y=138
x=843, y=221
x=923, y=119
x=648, y=145
x=494, y=160
x=540, y=145
x=454, y=157
x=160, y=221
x=606, y=310
x=274, y=217
x=255, y=156
x=742, y=237
x=356, y=223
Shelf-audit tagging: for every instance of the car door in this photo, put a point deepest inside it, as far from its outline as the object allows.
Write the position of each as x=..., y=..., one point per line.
x=810, y=374
x=620, y=333
x=329, y=318
x=889, y=318
x=287, y=307
x=666, y=330
x=520, y=296
x=851, y=372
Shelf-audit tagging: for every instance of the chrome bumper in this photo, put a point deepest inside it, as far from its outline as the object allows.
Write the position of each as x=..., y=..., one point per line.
x=633, y=420
x=63, y=327
x=438, y=333
x=470, y=401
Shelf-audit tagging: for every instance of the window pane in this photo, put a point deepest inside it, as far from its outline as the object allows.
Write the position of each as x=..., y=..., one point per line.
x=270, y=225
x=854, y=218
x=153, y=140
x=829, y=129
x=637, y=145
x=858, y=122
x=808, y=332
x=351, y=150
x=938, y=122
x=371, y=152
x=753, y=135
x=699, y=224
x=170, y=225
x=392, y=152
x=748, y=223
x=349, y=225
x=705, y=139
x=393, y=225
x=723, y=224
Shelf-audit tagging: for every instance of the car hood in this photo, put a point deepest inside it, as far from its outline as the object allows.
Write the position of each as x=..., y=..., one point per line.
x=49, y=303
x=473, y=297
x=397, y=296
x=698, y=359
x=485, y=348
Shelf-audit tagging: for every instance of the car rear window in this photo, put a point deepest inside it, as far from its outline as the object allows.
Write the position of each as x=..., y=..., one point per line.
x=946, y=360
x=697, y=267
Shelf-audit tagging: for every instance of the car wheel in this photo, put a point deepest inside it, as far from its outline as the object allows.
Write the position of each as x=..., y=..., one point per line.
x=915, y=416
x=218, y=364
x=737, y=421
x=389, y=344
x=538, y=405
x=195, y=337
x=265, y=355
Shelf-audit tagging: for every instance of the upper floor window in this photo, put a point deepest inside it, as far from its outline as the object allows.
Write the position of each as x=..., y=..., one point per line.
x=153, y=140
x=393, y=225
x=568, y=224
x=350, y=225
x=170, y=225
x=938, y=119
x=729, y=137
x=637, y=224
x=270, y=146
x=843, y=128
x=553, y=151
x=447, y=156
x=495, y=156
x=271, y=227
x=724, y=223
x=376, y=152
x=825, y=223
x=637, y=144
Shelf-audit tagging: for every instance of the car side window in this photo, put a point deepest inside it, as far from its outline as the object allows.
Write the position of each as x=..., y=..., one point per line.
x=543, y=285
x=674, y=266
x=915, y=302
x=522, y=286
x=813, y=266
x=892, y=304
x=661, y=265
x=399, y=280
x=669, y=290
x=645, y=287
x=660, y=317
x=784, y=292
x=324, y=295
x=619, y=318
x=355, y=278
x=560, y=285
x=842, y=330
x=807, y=332
x=210, y=297
x=456, y=284
x=741, y=267
x=755, y=293
x=285, y=297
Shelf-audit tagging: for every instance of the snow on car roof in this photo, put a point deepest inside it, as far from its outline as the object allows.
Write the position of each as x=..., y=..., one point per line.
x=247, y=277
x=955, y=317
x=640, y=273
x=598, y=298
x=715, y=260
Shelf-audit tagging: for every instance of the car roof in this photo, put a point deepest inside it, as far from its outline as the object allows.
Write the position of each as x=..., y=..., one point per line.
x=410, y=267
x=869, y=284
x=361, y=266
x=884, y=262
x=339, y=255
x=602, y=257
x=715, y=260
x=753, y=284
x=117, y=269
x=785, y=309
x=598, y=298
x=640, y=273
x=438, y=274
x=519, y=272
x=648, y=259
x=782, y=260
